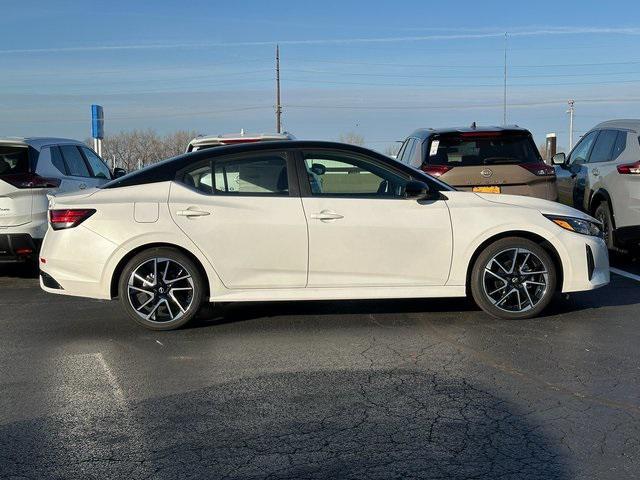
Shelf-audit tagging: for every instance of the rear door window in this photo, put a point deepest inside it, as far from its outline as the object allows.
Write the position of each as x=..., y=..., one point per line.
x=76, y=165
x=620, y=146
x=403, y=147
x=408, y=153
x=260, y=175
x=13, y=159
x=603, y=148
x=98, y=167
x=482, y=148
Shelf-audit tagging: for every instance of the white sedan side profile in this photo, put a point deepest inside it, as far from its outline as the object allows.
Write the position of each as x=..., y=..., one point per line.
x=306, y=220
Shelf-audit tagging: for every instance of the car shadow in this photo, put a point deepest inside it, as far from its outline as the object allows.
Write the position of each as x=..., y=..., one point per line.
x=19, y=270
x=223, y=313
x=374, y=423
x=620, y=292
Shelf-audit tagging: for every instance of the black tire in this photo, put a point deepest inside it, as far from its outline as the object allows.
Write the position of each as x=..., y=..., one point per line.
x=183, y=305
x=539, y=258
x=603, y=213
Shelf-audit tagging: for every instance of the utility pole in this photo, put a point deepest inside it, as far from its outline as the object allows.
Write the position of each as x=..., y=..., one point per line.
x=570, y=112
x=278, y=105
x=504, y=99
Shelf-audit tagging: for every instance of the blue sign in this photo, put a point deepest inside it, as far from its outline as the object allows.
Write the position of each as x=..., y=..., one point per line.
x=97, y=121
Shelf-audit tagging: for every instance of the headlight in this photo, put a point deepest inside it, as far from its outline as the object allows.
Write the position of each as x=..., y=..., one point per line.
x=578, y=225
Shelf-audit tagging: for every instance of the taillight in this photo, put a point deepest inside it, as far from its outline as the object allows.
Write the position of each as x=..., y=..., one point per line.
x=540, y=169
x=61, y=219
x=629, y=168
x=435, y=170
x=30, y=180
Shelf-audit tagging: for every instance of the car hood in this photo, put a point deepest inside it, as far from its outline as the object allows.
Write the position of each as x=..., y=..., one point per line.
x=543, y=206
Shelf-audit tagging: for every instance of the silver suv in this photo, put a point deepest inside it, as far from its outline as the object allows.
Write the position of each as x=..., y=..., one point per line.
x=30, y=168
x=601, y=176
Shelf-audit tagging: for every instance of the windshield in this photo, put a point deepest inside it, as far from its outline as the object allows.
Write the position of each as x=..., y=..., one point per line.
x=482, y=148
x=13, y=159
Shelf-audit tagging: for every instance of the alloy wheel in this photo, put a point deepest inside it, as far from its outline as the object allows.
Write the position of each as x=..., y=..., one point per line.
x=160, y=290
x=515, y=280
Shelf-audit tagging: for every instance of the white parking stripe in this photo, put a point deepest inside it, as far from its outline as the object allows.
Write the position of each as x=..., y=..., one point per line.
x=625, y=274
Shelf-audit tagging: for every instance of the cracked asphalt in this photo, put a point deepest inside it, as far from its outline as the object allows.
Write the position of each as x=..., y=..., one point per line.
x=356, y=390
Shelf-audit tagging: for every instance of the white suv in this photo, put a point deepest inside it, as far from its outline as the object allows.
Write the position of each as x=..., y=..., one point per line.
x=30, y=168
x=601, y=176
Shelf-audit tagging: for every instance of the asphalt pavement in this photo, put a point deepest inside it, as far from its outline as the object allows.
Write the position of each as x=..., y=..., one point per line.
x=350, y=390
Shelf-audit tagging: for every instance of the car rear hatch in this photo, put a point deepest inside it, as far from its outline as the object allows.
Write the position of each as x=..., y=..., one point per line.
x=15, y=196
x=503, y=161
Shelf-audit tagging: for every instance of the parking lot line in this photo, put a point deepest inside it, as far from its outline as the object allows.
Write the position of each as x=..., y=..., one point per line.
x=617, y=271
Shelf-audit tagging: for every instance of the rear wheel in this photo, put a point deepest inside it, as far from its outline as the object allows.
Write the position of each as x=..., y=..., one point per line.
x=513, y=278
x=161, y=289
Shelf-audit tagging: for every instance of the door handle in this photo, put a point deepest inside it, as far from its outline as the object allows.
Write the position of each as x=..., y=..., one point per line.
x=326, y=215
x=192, y=212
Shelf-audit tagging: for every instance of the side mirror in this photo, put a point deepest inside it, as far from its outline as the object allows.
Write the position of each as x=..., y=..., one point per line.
x=559, y=159
x=415, y=190
x=318, y=169
x=119, y=172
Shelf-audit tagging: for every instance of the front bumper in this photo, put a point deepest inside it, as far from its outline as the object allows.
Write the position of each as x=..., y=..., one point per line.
x=17, y=247
x=588, y=265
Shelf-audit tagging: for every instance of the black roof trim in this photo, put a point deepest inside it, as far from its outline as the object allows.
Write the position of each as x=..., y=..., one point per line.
x=425, y=133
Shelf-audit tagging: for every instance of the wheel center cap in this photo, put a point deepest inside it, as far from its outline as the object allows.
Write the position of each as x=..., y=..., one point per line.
x=161, y=290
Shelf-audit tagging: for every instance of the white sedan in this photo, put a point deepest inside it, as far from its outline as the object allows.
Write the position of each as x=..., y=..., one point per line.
x=305, y=220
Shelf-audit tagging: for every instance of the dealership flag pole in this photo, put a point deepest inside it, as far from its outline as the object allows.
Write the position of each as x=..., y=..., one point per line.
x=97, y=127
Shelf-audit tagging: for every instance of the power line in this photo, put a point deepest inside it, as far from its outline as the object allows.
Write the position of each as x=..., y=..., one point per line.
x=395, y=75
x=432, y=65
x=466, y=86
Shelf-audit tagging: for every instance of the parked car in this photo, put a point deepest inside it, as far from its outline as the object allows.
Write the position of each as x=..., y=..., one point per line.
x=208, y=141
x=482, y=159
x=601, y=176
x=31, y=168
x=303, y=220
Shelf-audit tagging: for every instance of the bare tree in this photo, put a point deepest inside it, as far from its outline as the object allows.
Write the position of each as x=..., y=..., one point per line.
x=392, y=149
x=136, y=148
x=352, y=138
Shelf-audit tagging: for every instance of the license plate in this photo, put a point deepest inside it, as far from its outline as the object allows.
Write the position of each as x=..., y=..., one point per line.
x=486, y=189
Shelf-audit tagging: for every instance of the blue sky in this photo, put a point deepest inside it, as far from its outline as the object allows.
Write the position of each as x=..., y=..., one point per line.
x=380, y=69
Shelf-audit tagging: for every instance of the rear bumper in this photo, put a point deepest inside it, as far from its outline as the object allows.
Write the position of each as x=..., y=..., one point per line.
x=627, y=236
x=17, y=247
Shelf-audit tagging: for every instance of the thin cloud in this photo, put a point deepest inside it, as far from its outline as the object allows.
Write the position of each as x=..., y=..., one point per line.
x=540, y=31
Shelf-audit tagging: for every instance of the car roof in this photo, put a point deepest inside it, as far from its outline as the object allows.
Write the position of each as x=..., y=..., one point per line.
x=425, y=133
x=626, y=123
x=37, y=142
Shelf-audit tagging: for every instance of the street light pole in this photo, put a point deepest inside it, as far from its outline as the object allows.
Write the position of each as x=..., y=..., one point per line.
x=504, y=93
x=278, y=105
x=570, y=112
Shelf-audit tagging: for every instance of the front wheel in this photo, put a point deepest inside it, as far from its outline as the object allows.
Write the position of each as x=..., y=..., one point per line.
x=603, y=213
x=161, y=289
x=513, y=278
